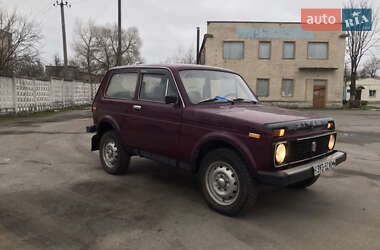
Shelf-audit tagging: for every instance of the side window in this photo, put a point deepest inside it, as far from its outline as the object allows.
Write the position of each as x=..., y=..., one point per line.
x=154, y=87
x=122, y=85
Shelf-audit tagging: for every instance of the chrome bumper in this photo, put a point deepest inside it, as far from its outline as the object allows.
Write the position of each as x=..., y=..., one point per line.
x=298, y=173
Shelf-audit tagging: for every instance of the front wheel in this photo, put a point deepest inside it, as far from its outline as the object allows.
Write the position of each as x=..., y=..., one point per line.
x=226, y=183
x=113, y=157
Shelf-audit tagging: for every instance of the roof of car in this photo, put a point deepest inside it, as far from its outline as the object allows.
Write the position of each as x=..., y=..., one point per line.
x=174, y=67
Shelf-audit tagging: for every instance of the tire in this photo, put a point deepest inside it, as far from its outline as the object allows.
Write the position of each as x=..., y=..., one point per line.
x=113, y=157
x=305, y=183
x=226, y=183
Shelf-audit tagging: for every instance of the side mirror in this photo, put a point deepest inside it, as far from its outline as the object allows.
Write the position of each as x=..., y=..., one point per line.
x=171, y=99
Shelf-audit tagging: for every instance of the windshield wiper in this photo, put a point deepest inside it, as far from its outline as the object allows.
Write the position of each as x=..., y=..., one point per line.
x=244, y=100
x=216, y=98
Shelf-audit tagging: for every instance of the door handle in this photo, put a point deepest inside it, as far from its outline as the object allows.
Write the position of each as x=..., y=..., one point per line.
x=137, y=107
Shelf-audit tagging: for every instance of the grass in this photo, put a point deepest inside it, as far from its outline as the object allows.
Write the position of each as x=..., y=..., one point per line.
x=363, y=107
x=14, y=116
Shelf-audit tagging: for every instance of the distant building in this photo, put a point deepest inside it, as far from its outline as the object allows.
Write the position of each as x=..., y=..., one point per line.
x=370, y=91
x=282, y=63
x=5, y=45
x=73, y=73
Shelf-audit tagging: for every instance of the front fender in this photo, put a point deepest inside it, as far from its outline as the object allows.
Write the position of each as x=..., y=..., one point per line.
x=234, y=140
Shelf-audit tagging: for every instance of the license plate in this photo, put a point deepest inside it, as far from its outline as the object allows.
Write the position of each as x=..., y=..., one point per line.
x=324, y=166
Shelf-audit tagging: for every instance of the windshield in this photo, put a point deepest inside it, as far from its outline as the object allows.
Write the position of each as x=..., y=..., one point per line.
x=215, y=86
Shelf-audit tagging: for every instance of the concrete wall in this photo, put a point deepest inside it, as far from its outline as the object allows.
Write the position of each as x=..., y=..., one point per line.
x=25, y=95
x=302, y=70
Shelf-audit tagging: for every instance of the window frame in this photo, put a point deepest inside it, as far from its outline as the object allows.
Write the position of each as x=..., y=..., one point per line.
x=270, y=50
x=294, y=50
x=155, y=72
x=243, y=50
x=282, y=85
x=372, y=91
x=327, y=50
x=118, y=72
x=257, y=87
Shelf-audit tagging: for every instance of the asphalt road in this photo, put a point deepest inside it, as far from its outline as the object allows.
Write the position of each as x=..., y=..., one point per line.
x=54, y=195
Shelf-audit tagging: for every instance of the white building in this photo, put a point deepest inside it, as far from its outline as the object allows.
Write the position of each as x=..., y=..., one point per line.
x=371, y=91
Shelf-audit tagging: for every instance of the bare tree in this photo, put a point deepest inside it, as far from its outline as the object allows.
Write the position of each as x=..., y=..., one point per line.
x=85, y=48
x=29, y=67
x=19, y=40
x=371, y=67
x=106, y=43
x=182, y=56
x=359, y=43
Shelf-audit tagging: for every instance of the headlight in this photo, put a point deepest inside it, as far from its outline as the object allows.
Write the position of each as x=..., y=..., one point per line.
x=280, y=153
x=331, y=142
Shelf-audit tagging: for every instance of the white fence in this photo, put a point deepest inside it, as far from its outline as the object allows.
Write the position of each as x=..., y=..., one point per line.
x=24, y=95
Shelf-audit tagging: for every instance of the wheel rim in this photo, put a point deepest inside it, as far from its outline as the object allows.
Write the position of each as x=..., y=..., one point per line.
x=110, y=153
x=222, y=183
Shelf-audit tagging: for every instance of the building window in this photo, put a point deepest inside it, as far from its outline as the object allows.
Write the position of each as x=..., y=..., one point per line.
x=264, y=50
x=233, y=50
x=122, y=86
x=372, y=93
x=317, y=50
x=287, y=87
x=289, y=51
x=263, y=87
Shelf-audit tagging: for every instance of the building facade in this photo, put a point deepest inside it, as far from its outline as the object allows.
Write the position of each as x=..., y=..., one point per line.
x=282, y=63
x=370, y=90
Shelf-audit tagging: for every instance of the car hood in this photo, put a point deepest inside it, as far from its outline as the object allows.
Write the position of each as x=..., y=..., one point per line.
x=239, y=116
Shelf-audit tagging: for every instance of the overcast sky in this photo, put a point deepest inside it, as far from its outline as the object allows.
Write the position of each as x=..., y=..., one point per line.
x=164, y=25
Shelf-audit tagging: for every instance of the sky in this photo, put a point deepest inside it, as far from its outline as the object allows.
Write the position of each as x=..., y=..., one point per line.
x=164, y=26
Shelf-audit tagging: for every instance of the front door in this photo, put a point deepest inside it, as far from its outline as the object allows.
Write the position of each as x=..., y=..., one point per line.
x=156, y=125
x=319, y=94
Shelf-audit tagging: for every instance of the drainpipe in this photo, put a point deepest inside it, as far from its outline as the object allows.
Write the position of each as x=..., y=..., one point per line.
x=203, y=46
x=197, y=56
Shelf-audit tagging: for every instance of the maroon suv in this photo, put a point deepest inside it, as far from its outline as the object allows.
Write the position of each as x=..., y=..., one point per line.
x=207, y=120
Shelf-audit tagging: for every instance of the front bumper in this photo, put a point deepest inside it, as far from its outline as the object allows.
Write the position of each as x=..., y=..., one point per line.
x=298, y=173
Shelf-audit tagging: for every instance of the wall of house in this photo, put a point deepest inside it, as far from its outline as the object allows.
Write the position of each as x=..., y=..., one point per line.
x=26, y=95
x=304, y=72
x=368, y=84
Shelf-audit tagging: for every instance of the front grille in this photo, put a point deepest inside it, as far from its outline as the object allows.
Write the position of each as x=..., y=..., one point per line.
x=303, y=149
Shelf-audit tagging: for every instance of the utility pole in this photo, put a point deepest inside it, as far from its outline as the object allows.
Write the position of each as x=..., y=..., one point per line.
x=63, y=4
x=118, y=62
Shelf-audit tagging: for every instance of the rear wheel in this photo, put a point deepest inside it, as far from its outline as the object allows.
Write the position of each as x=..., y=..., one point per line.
x=226, y=183
x=305, y=183
x=113, y=157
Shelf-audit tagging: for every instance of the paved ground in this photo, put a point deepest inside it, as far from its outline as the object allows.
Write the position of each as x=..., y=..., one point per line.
x=54, y=195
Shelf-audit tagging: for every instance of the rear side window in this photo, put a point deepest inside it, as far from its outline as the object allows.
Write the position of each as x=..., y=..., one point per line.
x=154, y=87
x=122, y=85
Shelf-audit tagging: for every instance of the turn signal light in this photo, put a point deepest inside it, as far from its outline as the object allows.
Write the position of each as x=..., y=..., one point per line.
x=279, y=132
x=94, y=108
